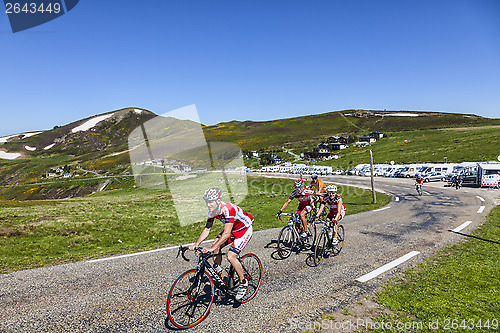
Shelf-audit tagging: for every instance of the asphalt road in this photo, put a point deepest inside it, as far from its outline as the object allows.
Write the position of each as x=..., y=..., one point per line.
x=128, y=294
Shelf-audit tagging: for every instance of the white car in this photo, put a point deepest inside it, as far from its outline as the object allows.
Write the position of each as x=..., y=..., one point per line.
x=434, y=176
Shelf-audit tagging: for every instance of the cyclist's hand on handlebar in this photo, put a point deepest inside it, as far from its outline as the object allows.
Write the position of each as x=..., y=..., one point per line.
x=192, y=247
x=207, y=249
x=278, y=214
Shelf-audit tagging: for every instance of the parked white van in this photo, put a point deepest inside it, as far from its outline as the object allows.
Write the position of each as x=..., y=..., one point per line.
x=411, y=170
x=444, y=168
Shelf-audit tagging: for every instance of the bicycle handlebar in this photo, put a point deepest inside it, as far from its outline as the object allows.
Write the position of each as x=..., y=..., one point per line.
x=183, y=249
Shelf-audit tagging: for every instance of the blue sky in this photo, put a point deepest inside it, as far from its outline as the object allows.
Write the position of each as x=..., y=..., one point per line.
x=251, y=60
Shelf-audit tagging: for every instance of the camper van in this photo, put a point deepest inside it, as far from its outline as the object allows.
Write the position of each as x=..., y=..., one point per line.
x=488, y=174
x=444, y=168
x=411, y=170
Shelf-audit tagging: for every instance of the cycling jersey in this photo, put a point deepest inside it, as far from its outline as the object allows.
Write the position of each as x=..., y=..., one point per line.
x=230, y=213
x=419, y=181
x=319, y=185
x=303, y=196
x=334, y=206
x=305, y=199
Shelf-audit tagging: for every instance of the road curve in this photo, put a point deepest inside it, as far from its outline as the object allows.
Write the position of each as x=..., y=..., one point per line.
x=128, y=294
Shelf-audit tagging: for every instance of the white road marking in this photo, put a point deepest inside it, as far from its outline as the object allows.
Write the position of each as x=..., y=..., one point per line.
x=477, y=196
x=397, y=198
x=457, y=229
x=387, y=267
x=144, y=252
x=383, y=208
x=425, y=192
x=480, y=210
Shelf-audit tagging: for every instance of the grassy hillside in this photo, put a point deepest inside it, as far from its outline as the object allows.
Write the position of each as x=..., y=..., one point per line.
x=303, y=131
x=440, y=145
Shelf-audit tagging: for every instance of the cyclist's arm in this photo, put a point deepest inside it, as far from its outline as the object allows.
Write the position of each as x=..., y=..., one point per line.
x=204, y=234
x=285, y=204
x=228, y=227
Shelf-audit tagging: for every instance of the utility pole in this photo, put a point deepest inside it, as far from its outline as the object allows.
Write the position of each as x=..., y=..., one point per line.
x=371, y=176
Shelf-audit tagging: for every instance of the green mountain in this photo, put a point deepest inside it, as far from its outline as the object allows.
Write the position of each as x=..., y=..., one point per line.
x=302, y=131
x=93, y=154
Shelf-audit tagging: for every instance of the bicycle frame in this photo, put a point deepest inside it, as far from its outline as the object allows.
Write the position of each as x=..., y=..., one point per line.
x=292, y=222
x=326, y=228
x=205, y=266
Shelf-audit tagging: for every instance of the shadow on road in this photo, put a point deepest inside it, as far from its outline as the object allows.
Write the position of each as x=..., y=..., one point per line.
x=471, y=236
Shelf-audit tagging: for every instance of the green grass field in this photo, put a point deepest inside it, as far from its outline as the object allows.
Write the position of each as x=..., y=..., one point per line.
x=49, y=232
x=458, y=286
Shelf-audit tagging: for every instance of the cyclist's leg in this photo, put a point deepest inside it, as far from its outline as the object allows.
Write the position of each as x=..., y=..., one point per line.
x=303, y=214
x=342, y=214
x=216, y=252
x=240, y=240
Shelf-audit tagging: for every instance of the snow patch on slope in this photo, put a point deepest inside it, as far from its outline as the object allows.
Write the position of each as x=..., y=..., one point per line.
x=8, y=156
x=91, y=123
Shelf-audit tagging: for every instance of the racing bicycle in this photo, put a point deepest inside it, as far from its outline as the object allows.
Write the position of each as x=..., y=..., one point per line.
x=418, y=187
x=289, y=236
x=324, y=247
x=192, y=294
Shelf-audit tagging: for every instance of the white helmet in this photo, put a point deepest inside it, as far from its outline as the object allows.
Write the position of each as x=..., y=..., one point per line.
x=331, y=189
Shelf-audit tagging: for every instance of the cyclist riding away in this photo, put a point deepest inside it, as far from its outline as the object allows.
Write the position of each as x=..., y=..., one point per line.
x=237, y=232
x=337, y=208
x=305, y=203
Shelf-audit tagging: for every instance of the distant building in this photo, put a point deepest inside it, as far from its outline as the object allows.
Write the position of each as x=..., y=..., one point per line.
x=338, y=146
x=368, y=139
x=338, y=139
x=319, y=153
x=377, y=135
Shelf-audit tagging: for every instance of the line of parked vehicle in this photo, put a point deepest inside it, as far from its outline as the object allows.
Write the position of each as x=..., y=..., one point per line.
x=480, y=173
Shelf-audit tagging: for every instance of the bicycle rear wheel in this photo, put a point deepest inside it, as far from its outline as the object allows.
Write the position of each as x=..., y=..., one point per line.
x=252, y=269
x=286, y=242
x=185, y=309
x=340, y=237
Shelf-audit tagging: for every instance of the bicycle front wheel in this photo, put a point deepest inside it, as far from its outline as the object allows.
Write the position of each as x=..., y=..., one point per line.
x=340, y=237
x=252, y=269
x=320, y=251
x=186, y=309
x=286, y=242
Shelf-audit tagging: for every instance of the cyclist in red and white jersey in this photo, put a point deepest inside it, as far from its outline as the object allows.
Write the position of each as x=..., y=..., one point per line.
x=419, y=180
x=337, y=208
x=304, y=195
x=237, y=232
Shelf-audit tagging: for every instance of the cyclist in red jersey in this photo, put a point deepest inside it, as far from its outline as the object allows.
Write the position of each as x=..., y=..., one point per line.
x=418, y=179
x=337, y=208
x=305, y=203
x=237, y=232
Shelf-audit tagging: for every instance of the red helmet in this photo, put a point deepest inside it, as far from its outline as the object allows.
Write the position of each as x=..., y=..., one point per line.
x=212, y=194
x=299, y=183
